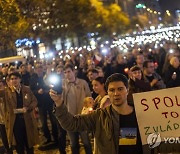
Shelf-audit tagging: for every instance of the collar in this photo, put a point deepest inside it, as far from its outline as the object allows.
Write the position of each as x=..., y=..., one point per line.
x=18, y=90
x=75, y=82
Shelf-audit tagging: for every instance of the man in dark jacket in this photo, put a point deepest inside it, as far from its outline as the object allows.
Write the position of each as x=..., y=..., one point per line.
x=25, y=75
x=152, y=77
x=45, y=104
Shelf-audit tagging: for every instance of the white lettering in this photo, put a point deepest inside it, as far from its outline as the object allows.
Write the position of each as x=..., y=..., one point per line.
x=172, y=140
x=177, y=140
x=166, y=139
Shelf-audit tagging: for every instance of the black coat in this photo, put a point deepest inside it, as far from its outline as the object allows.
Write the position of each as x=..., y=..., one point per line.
x=137, y=86
x=168, y=77
x=44, y=100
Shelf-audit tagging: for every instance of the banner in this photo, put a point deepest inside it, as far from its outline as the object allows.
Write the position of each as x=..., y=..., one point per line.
x=158, y=112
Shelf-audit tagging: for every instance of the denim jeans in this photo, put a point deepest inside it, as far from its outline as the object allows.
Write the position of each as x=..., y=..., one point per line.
x=74, y=140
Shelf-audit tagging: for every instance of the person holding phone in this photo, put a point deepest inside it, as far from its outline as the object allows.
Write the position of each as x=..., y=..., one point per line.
x=110, y=124
x=172, y=75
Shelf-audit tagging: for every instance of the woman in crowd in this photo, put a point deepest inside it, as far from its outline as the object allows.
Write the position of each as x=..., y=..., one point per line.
x=172, y=74
x=136, y=83
x=102, y=100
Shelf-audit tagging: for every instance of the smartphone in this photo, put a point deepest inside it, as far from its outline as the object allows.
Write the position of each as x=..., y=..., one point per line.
x=174, y=73
x=55, y=81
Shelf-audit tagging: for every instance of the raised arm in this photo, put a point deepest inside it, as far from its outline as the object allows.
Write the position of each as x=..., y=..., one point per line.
x=70, y=122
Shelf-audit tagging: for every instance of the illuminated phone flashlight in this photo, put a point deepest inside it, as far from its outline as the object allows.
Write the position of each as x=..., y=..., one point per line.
x=75, y=67
x=34, y=56
x=171, y=51
x=89, y=49
x=46, y=56
x=50, y=54
x=67, y=56
x=0, y=64
x=80, y=55
x=102, y=45
x=174, y=73
x=16, y=62
x=52, y=69
x=41, y=56
x=126, y=70
x=104, y=51
x=125, y=57
x=150, y=50
x=80, y=49
x=107, y=42
x=53, y=80
x=90, y=109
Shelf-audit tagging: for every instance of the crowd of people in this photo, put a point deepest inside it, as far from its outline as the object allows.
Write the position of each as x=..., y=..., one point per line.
x=89, y=82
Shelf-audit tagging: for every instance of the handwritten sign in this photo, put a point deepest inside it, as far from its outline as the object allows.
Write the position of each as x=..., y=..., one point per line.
x=158, y=111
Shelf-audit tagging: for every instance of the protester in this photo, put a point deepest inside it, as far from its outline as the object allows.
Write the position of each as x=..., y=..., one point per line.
x=88, y=105
x=21, y=127
x=152, y=77
x=25, y=74
x=137, y=83
x=92, y=74
x=140, y=60
x=102, y=100
x=172, y=75
x=107, y=124
x=75, y=89
x=45, y=106
x=121, y=64
x=2, y=121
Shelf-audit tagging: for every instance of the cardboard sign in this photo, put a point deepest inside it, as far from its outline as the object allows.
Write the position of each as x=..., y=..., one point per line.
x=158, y=111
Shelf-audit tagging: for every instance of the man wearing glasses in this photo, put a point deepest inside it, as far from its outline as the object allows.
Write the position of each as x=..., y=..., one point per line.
x=152, y=77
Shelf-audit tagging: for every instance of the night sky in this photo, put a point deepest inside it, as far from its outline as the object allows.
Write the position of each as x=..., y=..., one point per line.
x=170, y=5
